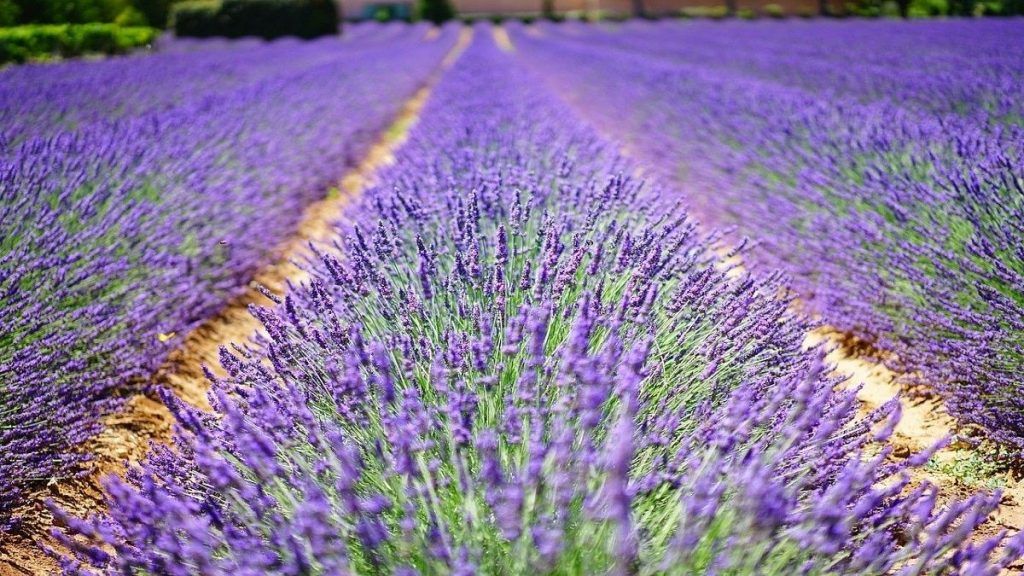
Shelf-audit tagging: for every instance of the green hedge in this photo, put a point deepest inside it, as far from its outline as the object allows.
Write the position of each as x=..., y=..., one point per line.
x=35, y=41
x=264, y=18
x=436, y=11
x=196, y=19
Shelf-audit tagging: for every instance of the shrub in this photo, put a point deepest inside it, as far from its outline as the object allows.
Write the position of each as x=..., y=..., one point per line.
x=156, y=12
x=713, y=12
x=774, y=11
x=197, y=18
x=267, y=19
x=68, y=11
x=276, y=18
x=131, y=16
x=36, y=41
x=436, y=11
x=388, y=12
x=9, y=12
x=928, y=8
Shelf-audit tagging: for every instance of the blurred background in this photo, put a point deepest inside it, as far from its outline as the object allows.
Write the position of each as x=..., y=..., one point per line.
x=315, y=17
x=47, y=29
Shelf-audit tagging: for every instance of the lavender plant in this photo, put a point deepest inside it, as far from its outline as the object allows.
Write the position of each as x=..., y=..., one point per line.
x=522, y=361
x=126, y=220
x=881, y=174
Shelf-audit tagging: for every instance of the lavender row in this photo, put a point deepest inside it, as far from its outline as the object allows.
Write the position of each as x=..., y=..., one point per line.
x=521, y=360
x=898, y=222
x=43, y=100
x=117, y=238
x=955, y=67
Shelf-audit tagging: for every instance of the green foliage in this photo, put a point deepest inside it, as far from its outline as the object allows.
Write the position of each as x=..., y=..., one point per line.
x=69, y=11
x=933, y=8
x=156, y=12
x=774, y=11
x=22, y=43
x=928, y=8
x=972, y=469
x=125, y=12
x=267, y=19
x=713, y=12
x=9, y=12
x=382, y=14
x=1004, y=7
x=436, y=11
x=873, y=8
x=130, y=16
x=962, y=7
x=387, y=12
x=275, y=18
x=196, y=18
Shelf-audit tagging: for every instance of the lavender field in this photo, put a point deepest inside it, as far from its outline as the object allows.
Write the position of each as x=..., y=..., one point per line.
x=541, y=301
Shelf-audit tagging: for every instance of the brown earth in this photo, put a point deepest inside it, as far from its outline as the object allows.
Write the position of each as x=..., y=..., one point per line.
x=959, y=469
x=127, y=435
x=502, y=39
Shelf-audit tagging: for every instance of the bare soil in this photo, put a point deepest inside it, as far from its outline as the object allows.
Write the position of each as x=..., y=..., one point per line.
x=127, y=435
x=959, y=470
x=502, y=39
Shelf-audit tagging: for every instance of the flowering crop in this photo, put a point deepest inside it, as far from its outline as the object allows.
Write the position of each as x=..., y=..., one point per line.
x=879, y=164
x=519, y=361
x=135, y=212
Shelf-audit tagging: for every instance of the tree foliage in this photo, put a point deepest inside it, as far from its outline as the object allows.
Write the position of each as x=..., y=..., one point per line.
x=436, y=11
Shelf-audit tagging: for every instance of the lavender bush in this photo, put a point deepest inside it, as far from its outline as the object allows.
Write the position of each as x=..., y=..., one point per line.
x=884, y=174
x=129, y=215
x=38, y=100
x=522, y=361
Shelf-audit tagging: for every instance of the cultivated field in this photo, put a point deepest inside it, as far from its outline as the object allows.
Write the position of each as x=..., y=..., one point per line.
x=652, y=297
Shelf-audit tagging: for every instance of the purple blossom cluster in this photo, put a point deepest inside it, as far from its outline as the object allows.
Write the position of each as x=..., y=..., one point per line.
x=518, y=360
x=138, y=195
x=879, y=164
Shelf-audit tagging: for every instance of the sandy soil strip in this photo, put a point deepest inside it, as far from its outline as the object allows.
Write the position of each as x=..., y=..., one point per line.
x=501, y=38
x=958, y=469
x=127, y=435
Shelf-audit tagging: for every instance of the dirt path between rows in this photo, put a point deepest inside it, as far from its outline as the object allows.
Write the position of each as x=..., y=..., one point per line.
x=502, y=39
x=958, y=469
x=127, y=435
